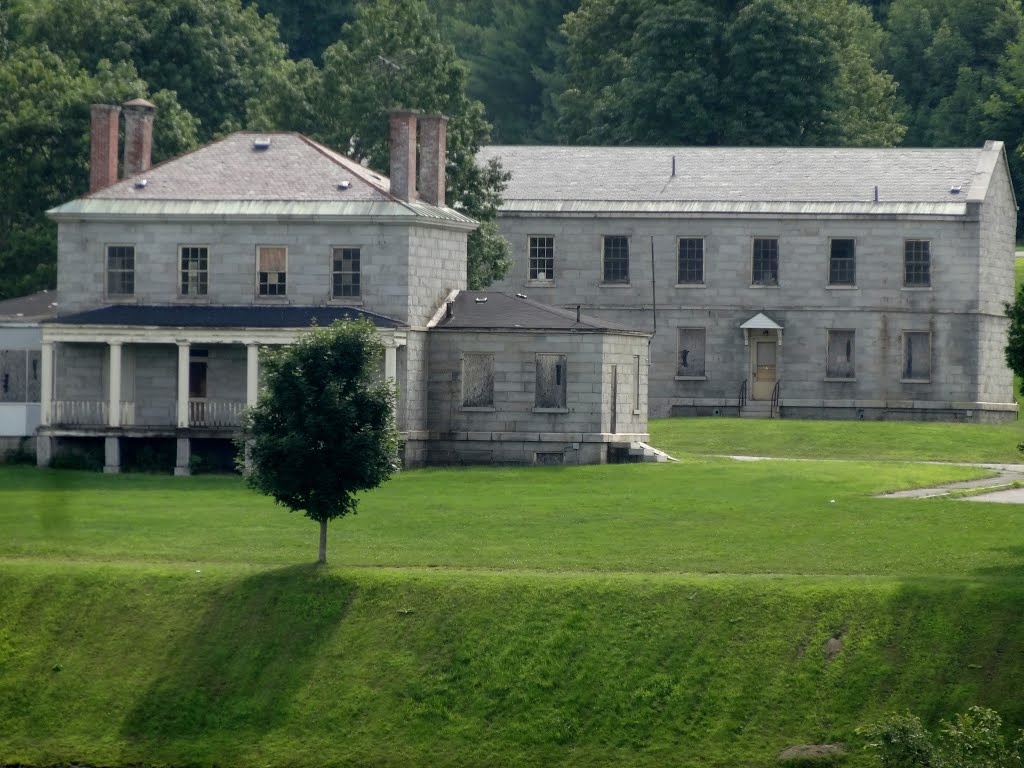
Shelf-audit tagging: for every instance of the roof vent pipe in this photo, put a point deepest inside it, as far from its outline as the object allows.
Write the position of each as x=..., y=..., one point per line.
x=577, y=313
x=876, y=194
x=449, y=310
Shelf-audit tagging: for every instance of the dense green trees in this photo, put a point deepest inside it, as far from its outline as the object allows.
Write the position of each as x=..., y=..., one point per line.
x=785, y=72
x=323, y=429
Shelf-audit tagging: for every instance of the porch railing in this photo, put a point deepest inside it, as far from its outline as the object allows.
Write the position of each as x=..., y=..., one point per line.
x=215, y=413
x=79, y=413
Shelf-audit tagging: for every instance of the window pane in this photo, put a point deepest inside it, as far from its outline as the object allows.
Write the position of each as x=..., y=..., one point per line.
x=345, y=272
x=691, y=260
x=194, y=272
x=839, y=362
x=120, y=270
x=842, y=268
x=542, y=258
x=691, y=352
x=271, y=272
x=616, y=259
x=766, y=262
x=917, y=263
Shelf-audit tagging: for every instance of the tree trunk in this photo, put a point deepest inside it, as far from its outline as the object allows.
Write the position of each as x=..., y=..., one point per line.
x=323, y=543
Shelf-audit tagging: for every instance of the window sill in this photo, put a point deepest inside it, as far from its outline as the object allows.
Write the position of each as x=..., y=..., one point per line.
x=346, y=301
x=764, y=285
x=841, y=287
x=835, y=379
x=479, y=408
x=916, y=288
x=614, y=285
x=550, y=410
x=190, y=299
x=273, y=299
x=540, y=284
x=690, y=285
x=915, y=381
x=691, y=378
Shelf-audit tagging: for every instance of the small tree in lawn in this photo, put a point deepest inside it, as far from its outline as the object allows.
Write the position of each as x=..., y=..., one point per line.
x=323, y=428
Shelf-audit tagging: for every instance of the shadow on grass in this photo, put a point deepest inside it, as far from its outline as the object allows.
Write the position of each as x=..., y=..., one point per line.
x=233, y=675
x=1013, y=569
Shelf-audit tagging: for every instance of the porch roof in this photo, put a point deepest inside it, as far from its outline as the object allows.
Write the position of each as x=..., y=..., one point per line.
x=198, y=316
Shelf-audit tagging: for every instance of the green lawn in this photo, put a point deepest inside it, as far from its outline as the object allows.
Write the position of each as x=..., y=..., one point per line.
x=706, y=613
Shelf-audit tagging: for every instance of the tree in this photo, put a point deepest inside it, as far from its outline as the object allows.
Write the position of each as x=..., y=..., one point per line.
x=973, y=739
x=784, y=72
x=44, y=150
x=1015, y=336
x=323, y=428
x=392, y=56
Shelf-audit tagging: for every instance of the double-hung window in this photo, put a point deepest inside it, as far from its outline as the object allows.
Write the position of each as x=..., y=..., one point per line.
x=120, y=270
x=345, y=273
x=615, y=259
x=842, y=262
x=542, y=257
x=765, y=263
x=272, y=270
x=195, y=269
x=917, y=264
x=690, y=261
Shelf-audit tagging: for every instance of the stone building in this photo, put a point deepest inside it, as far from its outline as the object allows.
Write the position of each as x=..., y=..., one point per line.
x=834, y=283
x=173, y=277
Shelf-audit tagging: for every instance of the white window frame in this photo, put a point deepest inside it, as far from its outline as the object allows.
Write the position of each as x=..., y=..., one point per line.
x=533, y=275
x=108, y=273
x=202, y=275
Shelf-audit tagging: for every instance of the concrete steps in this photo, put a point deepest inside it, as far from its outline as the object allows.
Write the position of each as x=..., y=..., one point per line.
x=636, y=453
x=757, y=409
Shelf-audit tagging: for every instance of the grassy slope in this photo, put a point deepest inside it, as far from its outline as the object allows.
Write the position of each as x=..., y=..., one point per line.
x=637, y=615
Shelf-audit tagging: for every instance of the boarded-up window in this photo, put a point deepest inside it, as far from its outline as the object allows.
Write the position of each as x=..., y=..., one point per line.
x=272, y=270
x=691, y=352
x=551, y=377
x=917, y=356
x=477, y=380
x=839, y=363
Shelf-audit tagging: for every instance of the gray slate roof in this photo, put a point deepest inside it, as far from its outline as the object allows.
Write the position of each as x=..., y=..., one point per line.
x=238, y=177
x=34, y=307
x=494, y=310
x=222, y=316
x=753, y=178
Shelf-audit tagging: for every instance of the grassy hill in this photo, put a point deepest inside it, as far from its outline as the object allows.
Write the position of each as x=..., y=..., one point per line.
x=709, y=613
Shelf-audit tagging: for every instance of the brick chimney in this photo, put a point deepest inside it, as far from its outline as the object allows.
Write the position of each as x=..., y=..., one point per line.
x=403, y=154
x=433, y=148
x=103, y=133
x=138, y=136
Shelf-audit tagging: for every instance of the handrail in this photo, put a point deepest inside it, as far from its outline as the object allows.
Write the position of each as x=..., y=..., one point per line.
x=776, y=393
x=742, y=399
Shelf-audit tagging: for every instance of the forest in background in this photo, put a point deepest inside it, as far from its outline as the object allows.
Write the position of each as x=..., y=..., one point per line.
x=620, y=72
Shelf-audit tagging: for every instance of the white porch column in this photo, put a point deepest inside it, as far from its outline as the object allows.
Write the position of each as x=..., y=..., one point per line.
x=114, y=404
x=46, y=384
x=391, y=362
x=252, y=373
x=183, y=358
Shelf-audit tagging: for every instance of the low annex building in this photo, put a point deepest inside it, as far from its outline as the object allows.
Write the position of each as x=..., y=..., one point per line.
x=809, y=282
x=172, y=278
